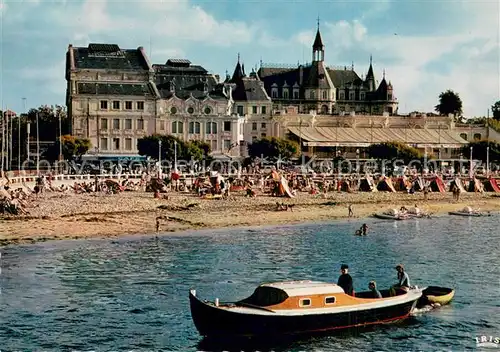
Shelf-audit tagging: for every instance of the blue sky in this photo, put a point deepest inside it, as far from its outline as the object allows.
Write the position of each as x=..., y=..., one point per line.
x=425, y=47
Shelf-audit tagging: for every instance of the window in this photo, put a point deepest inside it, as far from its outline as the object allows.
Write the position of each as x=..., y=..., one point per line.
x=227, y=144
x=295, y=94
x=194, y=128
x=162, y=125
x=207, y=110
x=254, y=109
x=351, y=96
x=325, y=94
x=305, y=302
x=128, y=143
x=389, y=96
x=285, y=93
x=116, y=124
x=362, y=96
x=330, y=300
x=263, y=109
x=128, y=105
x=274, y=93
x=128, y=124
x=140, y=124
x=477, y=136
x=463, y=135
x=263, y=135
x=239, y=110
x=190, y=110
x=173, y=110
x=311, y=94
x=211, y=128
x=104, y=105
x=177, y=127
x=263, y=125
x=140, y=105
x=104, y=124
x=104, y=144
x=213, y=144
x=116, y=105
x=342, y=96
x=254, y=138
x=116, y=143
x=254, y=126
x=227, y=126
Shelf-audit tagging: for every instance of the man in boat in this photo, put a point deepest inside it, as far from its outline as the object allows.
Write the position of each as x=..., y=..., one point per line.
x=345, y=280
x=372, y=285
x=404, y=280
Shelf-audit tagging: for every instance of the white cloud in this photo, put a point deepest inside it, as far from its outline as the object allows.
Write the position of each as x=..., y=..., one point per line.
x=51, y=77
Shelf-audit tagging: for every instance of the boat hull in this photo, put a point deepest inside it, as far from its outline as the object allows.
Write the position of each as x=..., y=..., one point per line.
x=389, y=217
x=458, y=213
x=215, y=322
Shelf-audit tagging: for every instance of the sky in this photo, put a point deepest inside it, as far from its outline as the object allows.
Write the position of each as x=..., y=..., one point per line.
x=424, y=46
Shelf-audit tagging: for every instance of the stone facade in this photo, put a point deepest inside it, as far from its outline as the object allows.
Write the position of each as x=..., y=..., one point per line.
x=111, y=97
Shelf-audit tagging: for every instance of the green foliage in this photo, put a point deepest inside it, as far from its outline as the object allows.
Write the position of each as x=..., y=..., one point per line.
x=150, y=145
x=48, y=119
x=393, y=151
x=72, y=148
x=273, y=148
x=449, y=103
x=479, y=150
x=495, y=109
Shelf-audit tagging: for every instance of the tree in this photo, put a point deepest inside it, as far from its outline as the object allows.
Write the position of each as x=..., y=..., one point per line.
x=479, y=150
x=72, y=148
x=272, y=148
x=48, y=119
x=449, y=103
x=393, y=151
x=495, y=109
x=150, y=146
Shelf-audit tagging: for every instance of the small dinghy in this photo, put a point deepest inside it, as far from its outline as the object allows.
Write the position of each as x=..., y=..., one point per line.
x=392, y=214
x=468, y=211
x=433, y=295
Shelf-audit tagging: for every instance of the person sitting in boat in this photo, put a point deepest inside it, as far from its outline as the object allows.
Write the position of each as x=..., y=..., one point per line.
x=345, y=280
x=404, y=280
x=372, y=285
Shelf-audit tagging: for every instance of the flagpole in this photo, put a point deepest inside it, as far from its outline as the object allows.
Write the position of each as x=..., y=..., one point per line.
x=3, y=141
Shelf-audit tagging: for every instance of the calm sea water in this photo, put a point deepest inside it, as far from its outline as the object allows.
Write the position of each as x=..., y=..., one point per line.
x=132, y=293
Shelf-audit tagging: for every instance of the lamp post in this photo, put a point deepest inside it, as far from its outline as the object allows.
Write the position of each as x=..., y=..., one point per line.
x=300, y=136
x=159, y=159
x=37, y=146
x=487, y=161
x=470, y=164
x=175, y=156
x=60, y=135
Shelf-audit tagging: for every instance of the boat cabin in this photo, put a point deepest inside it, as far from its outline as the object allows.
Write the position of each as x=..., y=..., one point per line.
x=306, y=294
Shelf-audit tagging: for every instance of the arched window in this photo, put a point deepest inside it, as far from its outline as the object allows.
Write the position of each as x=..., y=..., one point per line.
x=311, y=94
x=463, y=135
x=325, y=95
x=177, y=127
x=324, y=109
x=477, y=136
x=194, y=127
x=211, y=128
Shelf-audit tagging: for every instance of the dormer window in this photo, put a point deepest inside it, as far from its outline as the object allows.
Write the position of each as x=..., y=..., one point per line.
x=341, y=96
x=274, y=93
x=295, y=93
x=305, y=302
x=311, y=94
x=325, y=95
x=362, y=96
x=285, y=93
x=351, y=96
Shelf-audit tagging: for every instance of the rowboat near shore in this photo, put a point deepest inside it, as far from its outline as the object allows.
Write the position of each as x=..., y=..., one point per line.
x=299, y=307
x=468, y=211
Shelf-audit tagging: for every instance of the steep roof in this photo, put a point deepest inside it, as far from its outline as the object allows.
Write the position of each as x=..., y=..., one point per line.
x=109, y=56
x=317, y=77
x=318, y=42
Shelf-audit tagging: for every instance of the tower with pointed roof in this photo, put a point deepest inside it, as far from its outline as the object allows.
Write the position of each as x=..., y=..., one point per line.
x=318, y=48
x=370, y=78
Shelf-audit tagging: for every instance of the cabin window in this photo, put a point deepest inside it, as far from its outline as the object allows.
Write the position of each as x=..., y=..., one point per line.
x=329, y=300
x=305, y=302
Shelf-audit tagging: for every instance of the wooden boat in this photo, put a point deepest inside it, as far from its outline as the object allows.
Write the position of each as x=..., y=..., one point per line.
x=464, y=213
x=392, y=217
x=298, y=307
x=434, y=294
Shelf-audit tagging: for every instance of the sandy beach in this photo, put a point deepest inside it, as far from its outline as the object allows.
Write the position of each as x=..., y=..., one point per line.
x=74, y=216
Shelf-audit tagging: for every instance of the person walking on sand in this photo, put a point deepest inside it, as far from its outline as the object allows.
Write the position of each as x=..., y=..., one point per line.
x=157, y=224
x=351, y=213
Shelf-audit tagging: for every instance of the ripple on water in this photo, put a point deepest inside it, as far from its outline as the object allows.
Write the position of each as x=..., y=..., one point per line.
x=132, y=293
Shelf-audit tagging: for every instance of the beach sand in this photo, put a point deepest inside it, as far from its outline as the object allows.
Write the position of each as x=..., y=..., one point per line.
x=74, y=216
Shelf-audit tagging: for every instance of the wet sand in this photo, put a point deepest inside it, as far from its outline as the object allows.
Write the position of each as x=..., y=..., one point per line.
x=72, y=216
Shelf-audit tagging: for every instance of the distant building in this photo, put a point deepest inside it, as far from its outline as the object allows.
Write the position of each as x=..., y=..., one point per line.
x=327, y=90
x=111, y=96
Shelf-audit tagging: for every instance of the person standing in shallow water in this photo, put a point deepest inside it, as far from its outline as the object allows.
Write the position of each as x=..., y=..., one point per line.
x=345, y=280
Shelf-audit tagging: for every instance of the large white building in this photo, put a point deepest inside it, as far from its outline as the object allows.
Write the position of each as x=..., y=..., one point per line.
x=115, y=97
